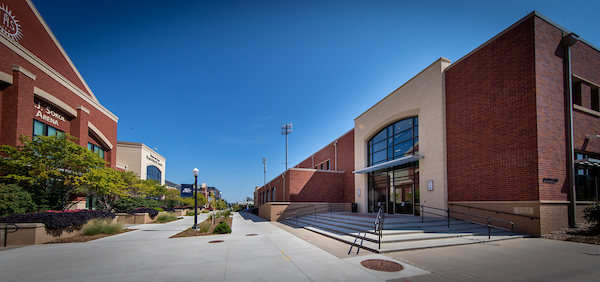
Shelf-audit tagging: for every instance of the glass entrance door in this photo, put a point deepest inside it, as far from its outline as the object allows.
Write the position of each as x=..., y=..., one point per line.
x=395, y=189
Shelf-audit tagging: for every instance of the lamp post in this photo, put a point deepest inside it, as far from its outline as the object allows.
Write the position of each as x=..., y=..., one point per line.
x=195, y=171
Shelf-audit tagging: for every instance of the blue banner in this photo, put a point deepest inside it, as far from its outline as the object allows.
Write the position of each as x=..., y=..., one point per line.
x=187, y=190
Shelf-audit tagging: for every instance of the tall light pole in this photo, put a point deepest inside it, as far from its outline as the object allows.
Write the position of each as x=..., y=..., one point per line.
x=285, y=130
x=195, y=171
x=265, y=167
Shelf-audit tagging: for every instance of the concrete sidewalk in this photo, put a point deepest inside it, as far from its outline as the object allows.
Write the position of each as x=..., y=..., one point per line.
x=258, y=250
x=149, y=255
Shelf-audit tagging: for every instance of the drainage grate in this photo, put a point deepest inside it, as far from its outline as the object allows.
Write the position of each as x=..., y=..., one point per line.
x=382, y=265
x=216, y=241
x=251, y=234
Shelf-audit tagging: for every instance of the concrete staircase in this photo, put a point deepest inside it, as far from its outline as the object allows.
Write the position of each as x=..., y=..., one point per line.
x=400, y=232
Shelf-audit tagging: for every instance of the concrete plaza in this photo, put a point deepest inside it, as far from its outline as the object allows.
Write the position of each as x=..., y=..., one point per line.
x=259, y=250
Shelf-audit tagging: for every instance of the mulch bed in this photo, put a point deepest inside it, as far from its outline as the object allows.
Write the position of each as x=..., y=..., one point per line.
x=583, y=234
x=190, y=233
x=84, y=238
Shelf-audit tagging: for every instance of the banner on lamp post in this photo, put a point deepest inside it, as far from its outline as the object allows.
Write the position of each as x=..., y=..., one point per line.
x=187, y=190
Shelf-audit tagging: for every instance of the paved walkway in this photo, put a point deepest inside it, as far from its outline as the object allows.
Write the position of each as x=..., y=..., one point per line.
x=278, y=253
x=149, y=255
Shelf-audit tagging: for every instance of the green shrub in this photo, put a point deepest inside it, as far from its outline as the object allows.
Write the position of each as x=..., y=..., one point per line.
x=159, y=209
x=204, y=211
x=592, y=215
x=191, y=212
x=226, y=213
x=166, y=217
x=222, y=228
x=127, y=204
x=205, y=227
x=218, y=214
x=13, y=200
x=101, y=226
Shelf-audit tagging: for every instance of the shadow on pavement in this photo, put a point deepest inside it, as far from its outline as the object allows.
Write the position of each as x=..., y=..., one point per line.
x=249, y=216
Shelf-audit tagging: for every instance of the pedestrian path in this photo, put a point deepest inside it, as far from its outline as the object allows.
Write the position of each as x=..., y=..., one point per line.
x=256, y=250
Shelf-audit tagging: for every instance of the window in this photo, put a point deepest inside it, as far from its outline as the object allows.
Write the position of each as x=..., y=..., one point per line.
x=577, y=93
x=327, y=166
x=153, y=173
x=273, y=194
x=96, y=149
x=595, y=100
x=40, y=128
x=395, y=141
x=586, y=180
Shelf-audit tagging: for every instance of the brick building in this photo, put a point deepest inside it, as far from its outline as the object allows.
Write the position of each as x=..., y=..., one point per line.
x=323, y=178
x=516, y=142
x=511, y=130
x=41, y=91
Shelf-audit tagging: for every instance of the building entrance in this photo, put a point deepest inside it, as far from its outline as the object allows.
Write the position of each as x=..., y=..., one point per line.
x=396, y=189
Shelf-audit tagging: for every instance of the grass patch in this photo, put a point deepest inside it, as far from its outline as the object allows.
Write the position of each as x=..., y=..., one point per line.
x=101, y=226
x=204, y=227
x=166, y=217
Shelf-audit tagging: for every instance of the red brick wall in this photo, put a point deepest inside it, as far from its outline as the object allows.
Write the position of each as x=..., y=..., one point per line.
x=36, y=40
x=319, y=186
x=491, y=120
x=551, y=121
x=315, y=186
x=18, y=120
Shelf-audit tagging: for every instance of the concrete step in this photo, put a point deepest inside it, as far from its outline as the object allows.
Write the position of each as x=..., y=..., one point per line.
x=410, y=234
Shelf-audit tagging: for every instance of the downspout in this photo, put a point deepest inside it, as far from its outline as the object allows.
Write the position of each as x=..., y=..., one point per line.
x=568, y=41
x=283, y=175
x=335, y=145
x=313, y=161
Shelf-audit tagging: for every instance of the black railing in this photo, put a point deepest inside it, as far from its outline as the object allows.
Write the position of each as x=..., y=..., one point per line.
x=378, y=225
x=305, y=211
x=448, y=211
x=497, y=212
x=6, y=231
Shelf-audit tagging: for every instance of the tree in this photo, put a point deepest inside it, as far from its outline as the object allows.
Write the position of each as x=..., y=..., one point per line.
x=106, y=185
x=50, y=168
x=13, y=199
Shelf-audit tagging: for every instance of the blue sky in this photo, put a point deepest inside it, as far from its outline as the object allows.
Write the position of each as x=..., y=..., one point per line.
x=209, y=83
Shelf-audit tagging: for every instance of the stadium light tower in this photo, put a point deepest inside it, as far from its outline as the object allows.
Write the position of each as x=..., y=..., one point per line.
x=265, y=167
x=285, y=130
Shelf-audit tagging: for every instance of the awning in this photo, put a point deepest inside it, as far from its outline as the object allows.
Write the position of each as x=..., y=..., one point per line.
x=588, y=162
x=392, y=163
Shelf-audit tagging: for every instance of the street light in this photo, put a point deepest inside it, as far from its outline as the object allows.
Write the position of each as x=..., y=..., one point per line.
x=195, y=171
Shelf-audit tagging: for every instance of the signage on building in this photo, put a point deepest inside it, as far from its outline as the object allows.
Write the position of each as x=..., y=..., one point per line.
x=48, y=114
x=153, y=159
x=9, y=24
x=187, y=190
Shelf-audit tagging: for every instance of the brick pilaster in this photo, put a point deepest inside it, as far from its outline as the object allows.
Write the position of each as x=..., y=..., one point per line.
x=17, y=107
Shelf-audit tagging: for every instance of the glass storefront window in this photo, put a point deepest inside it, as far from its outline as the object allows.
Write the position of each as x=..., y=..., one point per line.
x=40, y=128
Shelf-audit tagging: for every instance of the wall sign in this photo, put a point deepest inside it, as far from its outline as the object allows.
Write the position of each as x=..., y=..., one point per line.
x=153, y=159
x=550, y=180
x=48, y=114
x=9, y=24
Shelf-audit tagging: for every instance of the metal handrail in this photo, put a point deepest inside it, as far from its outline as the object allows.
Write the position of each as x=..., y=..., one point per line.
x=378, y=225
x=6, y=231
x=330, y=209
x=497, y=212
x=448, y=211
x=296, y=209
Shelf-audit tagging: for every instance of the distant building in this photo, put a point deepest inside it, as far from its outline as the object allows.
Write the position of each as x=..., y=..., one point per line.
x=142, y=160
x=171, y=185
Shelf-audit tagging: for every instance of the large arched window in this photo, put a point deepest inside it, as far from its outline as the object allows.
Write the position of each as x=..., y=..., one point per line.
x=395, y=141
x=153, y=173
